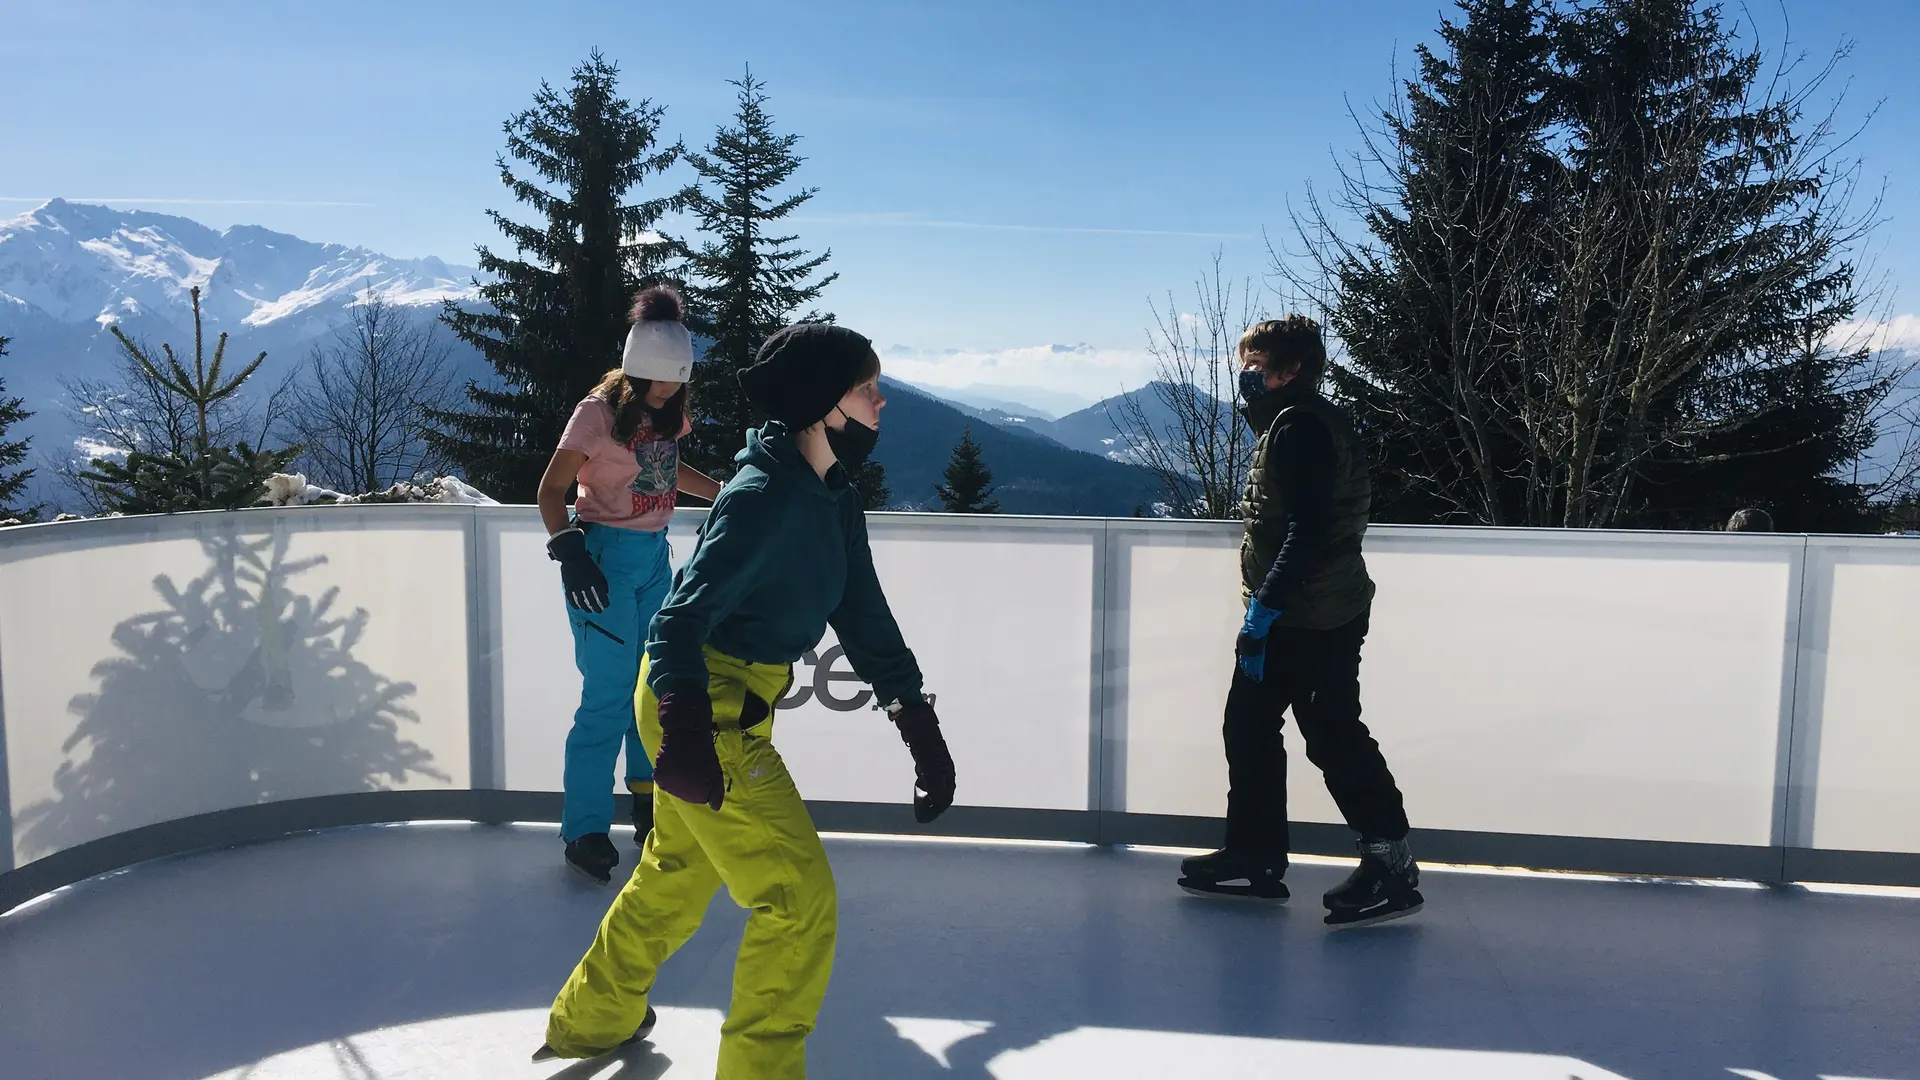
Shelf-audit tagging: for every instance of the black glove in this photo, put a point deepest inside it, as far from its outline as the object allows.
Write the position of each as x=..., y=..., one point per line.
x=933, y=780
x=687, y=766
x=586, y=585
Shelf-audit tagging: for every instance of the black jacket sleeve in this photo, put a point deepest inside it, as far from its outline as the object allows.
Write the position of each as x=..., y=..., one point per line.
x=1300, y=464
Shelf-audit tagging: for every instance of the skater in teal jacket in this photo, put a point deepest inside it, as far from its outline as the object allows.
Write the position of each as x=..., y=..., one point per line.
x=783, y=555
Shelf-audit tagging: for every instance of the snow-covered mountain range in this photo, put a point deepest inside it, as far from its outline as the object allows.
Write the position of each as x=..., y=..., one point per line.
x=77, y=263
x=71, y=271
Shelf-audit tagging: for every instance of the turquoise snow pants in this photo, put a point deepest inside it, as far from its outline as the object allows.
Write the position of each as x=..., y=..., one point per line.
x=607, y=647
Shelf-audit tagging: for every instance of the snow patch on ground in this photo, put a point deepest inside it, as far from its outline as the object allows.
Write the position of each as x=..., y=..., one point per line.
x=293, y=489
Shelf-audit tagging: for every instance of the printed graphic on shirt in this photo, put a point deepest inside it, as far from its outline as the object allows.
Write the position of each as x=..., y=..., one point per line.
x=659, y=477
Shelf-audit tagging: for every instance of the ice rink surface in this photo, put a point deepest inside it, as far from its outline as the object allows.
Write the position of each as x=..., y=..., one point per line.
x=406, y=952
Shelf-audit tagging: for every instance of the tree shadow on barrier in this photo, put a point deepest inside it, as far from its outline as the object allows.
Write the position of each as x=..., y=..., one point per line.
x=240, y=690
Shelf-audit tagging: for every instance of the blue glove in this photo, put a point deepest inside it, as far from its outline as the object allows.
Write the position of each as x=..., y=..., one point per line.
x=1251, y=646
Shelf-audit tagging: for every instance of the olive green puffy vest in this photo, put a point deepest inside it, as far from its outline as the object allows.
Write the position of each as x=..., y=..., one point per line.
x=1340, y=590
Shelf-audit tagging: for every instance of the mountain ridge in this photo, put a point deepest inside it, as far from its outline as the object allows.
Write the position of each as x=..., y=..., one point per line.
x=81, y=262
x=1032, y=474
x=70, y=272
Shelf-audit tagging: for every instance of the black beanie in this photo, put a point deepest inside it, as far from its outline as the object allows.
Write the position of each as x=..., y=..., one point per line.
x=802, y=371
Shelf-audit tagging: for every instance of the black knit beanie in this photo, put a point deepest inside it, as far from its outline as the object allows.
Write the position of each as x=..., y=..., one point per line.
x=802, y=371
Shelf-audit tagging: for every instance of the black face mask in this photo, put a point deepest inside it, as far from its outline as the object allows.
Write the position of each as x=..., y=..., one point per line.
x=1253, y=385
x=852, y=444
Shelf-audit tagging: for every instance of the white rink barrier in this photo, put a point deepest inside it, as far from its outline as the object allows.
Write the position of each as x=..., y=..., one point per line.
x=1734, y=704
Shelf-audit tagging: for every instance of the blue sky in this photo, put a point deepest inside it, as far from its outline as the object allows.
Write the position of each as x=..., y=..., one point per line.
x=998, y=179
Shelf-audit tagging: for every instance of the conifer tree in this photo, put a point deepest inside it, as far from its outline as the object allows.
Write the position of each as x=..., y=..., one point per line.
x=554, y=318
x=747, y=279
x=1603, y=264
x=1425, y=310
x=871, y=479
x=208, y=476
x=969, y=482
x=1903, y=513
x=1732, y=238
x=223, y=478
x=12, y=453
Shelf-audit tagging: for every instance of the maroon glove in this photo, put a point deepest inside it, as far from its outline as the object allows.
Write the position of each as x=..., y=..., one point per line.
x=933, y=780
x=687, y=767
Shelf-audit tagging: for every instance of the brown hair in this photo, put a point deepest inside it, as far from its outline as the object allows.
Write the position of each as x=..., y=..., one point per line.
x=626, y=395
x=1286, y=342
x=869, y=368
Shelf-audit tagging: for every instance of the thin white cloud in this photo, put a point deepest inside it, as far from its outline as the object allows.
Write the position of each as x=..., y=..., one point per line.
x=1901, y=332
x=1088, y=371
x=38, y=199
x=893, y=219
x=90, y=449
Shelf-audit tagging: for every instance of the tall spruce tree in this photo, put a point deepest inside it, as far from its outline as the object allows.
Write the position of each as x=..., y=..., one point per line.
x=12, y=453
x=1425, y=310
x=1702, y=357
x=969, y=481
x=555, y=317
x=747, y=280
x=1598, y=288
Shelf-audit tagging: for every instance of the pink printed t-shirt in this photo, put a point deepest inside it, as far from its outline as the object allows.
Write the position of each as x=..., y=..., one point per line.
x=630, y=486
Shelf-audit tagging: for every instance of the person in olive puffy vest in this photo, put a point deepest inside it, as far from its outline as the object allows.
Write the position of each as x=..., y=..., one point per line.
x=1308, y=600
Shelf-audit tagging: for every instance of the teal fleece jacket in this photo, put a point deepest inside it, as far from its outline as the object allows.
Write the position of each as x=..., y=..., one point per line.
x=782, y=555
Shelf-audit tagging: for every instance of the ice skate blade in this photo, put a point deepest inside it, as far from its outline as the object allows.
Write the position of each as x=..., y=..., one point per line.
x=1375, y=920
x=588, y=874
x=547, y=1053
x=1242, y=896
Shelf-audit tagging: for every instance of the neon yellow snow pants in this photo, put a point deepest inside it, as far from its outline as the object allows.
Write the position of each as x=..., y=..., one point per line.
x=763, y=847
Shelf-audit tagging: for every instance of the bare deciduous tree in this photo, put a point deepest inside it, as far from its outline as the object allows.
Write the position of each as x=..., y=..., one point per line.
x=361, y=408
x=1890, y=472
x=1196, y=445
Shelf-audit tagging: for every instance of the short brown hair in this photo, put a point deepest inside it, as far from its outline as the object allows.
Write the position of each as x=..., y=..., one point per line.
x=869, y=368
x=1286, y=342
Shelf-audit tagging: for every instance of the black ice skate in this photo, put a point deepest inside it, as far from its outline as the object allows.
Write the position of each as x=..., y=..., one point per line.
x=1385, y=886
x=1234, y=875
x=593, y=855
x=546, y=1053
